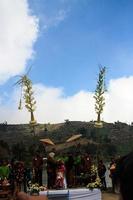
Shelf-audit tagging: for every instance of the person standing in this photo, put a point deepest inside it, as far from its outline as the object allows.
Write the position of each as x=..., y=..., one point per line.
x=60, y=175
x=69, y=164
x=19, y=176
x=124, y=176
x=4, y=170
x=51, y=170
x=101, y=173
x=112, y=174
x=37, y=164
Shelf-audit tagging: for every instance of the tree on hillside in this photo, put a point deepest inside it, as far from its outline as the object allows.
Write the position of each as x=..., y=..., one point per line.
x=99, y=96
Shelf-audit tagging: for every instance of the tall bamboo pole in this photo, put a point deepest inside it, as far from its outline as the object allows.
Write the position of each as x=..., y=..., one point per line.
x=99, y=97
x=30, y=103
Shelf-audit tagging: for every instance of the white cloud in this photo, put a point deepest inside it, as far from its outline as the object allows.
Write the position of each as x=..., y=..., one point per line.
x=53, y=106
x=57, y=107
x=18, y=32
x=55, y=19
x=119, y=102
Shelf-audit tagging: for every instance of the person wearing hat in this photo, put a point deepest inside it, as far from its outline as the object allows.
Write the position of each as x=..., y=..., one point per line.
x=51, y=170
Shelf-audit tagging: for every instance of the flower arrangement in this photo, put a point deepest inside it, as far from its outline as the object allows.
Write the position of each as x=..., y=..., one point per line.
x=93, y=170
x=94, y=178
x=34, y=189
x=42, y=188
x=96, y=184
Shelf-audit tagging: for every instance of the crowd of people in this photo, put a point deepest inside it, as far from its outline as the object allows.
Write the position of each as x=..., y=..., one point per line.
x=18, y=176
x=15, y=175
x=78, y=170
x=121, y=171
x=65, y=172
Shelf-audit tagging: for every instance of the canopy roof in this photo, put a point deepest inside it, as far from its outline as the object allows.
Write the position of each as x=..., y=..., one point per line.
x=47, y=141
x=73, y=138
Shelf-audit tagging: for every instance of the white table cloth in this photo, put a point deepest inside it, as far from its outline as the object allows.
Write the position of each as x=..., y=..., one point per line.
x=73, y=194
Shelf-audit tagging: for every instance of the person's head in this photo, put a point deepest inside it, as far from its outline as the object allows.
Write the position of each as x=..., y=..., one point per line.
x=100, y=162
x=124, y=175
x=37, y=154
x=60, y=162
x=51, y=154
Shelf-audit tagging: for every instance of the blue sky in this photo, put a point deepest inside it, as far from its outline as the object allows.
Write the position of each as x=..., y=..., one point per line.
x=65, y=41
x=75, y=37
x=91, y=32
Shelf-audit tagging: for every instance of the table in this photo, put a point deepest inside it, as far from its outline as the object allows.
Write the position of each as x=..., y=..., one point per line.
x=5, y=191
x=73, y=194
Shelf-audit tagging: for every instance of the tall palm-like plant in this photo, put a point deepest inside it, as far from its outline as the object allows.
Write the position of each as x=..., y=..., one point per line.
x=99, y=97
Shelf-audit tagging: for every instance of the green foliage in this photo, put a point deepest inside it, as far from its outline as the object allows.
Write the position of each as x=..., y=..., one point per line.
x=109, y=150
x=4, y=149
x=125, y=147
x=82, y=131
x=19, y=151
x=91, y=148
x=111, y=140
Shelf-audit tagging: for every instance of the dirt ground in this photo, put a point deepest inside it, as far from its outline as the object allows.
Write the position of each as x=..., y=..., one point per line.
x=110, y=196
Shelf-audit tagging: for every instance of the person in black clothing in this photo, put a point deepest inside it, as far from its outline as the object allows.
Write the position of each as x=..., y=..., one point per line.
x=27, y=178
x=12, y=175
x=37, y=164
x=101, y=173
x=69, y=164
x=124, y=176
x=51, y=170
x=112, y=174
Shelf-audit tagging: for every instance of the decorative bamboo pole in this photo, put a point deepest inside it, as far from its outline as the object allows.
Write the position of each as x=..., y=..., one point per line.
x=99, y=97
x=30, y=103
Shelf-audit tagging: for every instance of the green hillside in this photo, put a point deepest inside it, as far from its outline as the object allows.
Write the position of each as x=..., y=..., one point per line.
x=111, y=140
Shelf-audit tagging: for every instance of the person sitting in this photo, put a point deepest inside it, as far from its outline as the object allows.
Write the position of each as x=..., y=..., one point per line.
x=124, y=176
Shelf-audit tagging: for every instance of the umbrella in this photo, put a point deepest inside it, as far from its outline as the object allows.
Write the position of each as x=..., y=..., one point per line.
x=74, y=137
x=47, y=141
